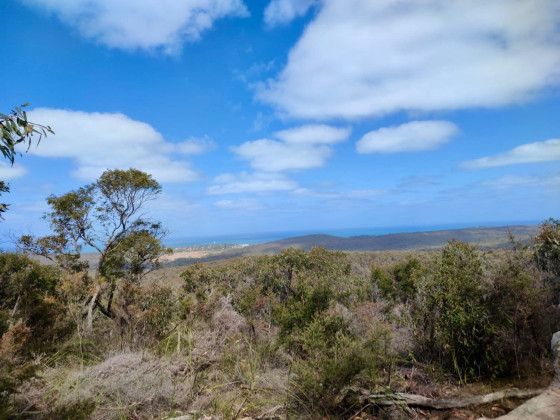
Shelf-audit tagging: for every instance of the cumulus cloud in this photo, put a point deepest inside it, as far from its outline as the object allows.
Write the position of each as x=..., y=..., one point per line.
x=414, y=136
x=300, y=148
x=251, y=183
x=372, y=58
x=279, y=12
x=141, y=24
x=8, y=171
x=274, y=156
x=540, y=151
x=99, y=141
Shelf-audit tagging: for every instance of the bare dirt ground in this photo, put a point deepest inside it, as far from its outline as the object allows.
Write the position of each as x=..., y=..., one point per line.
x=188, y=254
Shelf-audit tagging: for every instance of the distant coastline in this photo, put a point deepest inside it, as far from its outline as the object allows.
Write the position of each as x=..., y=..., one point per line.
x=483, y=237
x=176, y=241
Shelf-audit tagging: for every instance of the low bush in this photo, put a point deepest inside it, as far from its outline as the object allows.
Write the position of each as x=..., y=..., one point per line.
x=329, y=359
x=400, y=281
x=451, y=314
x=144, y=315
x=524, y=312
x=480, y=322
x=14, y=369
x=28, y=292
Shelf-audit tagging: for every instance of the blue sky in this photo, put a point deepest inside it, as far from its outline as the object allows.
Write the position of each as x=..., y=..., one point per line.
x=291, y=115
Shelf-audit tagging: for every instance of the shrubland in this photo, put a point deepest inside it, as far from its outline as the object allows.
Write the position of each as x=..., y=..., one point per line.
x=297, y=334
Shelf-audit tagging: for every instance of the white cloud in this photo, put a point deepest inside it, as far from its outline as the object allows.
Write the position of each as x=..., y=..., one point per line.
x=520, y=181
x=373, y=58
x=8, y=171
x=142, y=24
x=355, y=194
x=195, y=146
x=304, y=147
x=274, y=156
x=99, y=141
x=255, y=71
x=31, y=206
x=540, y=151
x=314, y=134
x=279, y=12
x=414, y=136
x=251, y=183
x=177, y=205
x=246, y=204
x=416, y=181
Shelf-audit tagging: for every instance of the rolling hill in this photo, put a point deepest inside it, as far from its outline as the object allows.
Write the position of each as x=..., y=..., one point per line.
x=483, y=237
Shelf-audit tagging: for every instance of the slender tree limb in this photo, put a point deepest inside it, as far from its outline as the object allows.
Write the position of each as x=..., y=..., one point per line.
x=104, y=311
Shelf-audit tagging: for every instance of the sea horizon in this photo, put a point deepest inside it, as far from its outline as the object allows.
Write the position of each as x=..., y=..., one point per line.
x=264, y=237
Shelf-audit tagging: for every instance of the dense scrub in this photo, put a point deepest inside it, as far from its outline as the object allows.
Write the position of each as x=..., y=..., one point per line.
x=478, y=323
x=298, y=333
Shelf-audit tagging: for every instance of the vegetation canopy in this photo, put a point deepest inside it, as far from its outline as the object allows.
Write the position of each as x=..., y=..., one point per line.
x=106, y=216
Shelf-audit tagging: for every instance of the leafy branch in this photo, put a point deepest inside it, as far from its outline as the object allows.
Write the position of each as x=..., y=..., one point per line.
x=17, y=129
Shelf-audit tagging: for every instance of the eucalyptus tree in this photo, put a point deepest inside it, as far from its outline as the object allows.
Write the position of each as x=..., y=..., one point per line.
x=16, y=129
x=108, y=217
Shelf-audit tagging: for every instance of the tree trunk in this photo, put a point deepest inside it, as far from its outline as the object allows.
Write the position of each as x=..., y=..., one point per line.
x=14, y=311
x=91, y=307
x=97, y=290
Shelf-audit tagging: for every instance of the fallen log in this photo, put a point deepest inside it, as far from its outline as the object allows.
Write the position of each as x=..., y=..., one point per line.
x=544, y=406
x=413, y=400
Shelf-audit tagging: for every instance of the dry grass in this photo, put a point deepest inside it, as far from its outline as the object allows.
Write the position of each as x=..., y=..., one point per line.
x=126, y=385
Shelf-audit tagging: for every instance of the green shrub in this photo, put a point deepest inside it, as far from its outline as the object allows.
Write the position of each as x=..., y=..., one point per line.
x=328, y=360
x=407, y=275
x=301, y=307
x=451, y=316
x=400, y=282
x=484, y=323
x=160, y=310
x=381, y=278
x=14, y=369
x=547, y=254
x=300, y=285
x=547, y=247
x=523, y=312
x=144, y=315
x=28, y=291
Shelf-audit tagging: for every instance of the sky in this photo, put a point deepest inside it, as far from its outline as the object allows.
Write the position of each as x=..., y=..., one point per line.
x=290, y=115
